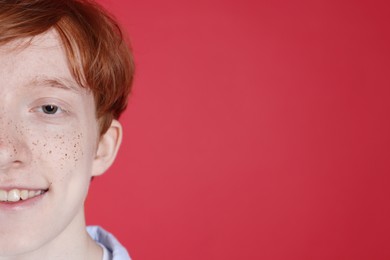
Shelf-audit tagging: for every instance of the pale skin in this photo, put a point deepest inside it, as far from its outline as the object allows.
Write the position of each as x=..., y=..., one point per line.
x=49, y=141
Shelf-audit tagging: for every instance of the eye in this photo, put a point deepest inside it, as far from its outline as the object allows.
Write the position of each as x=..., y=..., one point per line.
x=50, y=109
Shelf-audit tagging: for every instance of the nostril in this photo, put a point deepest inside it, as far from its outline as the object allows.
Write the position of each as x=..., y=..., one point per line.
x=12, y=156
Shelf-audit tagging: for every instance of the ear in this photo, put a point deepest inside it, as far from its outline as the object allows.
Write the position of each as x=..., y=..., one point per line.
x=107, y=148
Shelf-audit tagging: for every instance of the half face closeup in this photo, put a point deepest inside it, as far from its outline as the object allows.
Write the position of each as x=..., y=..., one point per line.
x=50, y=146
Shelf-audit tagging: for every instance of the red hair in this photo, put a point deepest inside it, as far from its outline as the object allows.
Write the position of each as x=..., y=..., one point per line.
x=98, y=55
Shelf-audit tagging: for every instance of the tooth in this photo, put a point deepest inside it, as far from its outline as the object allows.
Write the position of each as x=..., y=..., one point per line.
x=38, y=192
x=14, y=195
x=31, y=193
x=3, y=195
x=24, y=194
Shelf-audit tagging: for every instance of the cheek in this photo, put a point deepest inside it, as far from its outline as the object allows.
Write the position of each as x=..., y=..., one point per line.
x=62, y=153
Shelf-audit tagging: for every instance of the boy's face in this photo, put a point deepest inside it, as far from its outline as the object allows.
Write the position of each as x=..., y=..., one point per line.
x=48, y=144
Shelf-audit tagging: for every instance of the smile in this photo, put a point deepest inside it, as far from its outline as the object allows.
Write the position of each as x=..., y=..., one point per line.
x=15, y=195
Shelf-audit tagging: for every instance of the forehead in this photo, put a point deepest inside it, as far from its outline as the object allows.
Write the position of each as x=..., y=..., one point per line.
x=40, y=57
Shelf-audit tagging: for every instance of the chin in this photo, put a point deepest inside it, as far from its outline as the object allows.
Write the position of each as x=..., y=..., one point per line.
x=12, y=246
x=18, y=240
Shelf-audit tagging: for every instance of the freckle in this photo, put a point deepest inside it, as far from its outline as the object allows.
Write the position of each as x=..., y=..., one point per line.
x=49, y=151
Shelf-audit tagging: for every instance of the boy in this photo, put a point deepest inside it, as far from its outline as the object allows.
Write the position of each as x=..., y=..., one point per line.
x=65, y=74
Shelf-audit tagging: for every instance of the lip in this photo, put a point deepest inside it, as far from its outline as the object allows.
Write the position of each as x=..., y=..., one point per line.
x=22, y=187
x=6, y=206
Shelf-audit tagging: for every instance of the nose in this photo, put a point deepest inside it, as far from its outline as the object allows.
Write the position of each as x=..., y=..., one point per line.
x=13, y=151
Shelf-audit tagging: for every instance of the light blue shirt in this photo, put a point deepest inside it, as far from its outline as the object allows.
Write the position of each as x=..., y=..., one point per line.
x=113, y=250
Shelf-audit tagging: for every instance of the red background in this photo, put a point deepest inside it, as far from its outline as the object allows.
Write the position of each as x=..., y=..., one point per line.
x=256, y=130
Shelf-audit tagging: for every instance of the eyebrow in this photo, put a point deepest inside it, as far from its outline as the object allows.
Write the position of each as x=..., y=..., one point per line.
x=55, y=83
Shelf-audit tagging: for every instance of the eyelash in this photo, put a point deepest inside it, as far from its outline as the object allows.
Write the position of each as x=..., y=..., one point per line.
x=50, y=110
